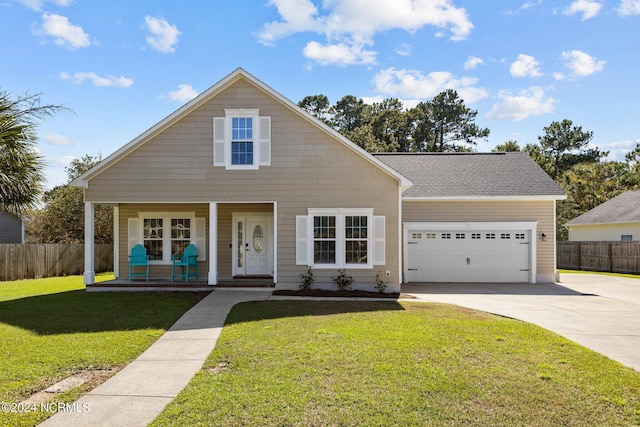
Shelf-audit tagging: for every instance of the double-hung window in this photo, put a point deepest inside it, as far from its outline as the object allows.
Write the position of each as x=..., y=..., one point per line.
x=356, y=241
x=242, y=139
x=340, y=238
x=324, y=239
x=165, y=234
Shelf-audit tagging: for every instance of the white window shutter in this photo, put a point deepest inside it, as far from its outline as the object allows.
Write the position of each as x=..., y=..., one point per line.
x=201, y=238
x=218, y=141
x=378, y=240
x=302, y=240
x=265, y=141
x=132, y=233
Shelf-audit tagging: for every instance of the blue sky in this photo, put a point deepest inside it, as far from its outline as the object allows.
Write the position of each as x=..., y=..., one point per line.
x=122, y=66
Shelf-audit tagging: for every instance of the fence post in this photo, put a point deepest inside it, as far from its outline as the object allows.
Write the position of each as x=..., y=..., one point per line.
x=579, y=256
x=609, y=256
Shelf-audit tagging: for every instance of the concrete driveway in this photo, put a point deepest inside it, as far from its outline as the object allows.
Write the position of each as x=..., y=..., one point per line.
x=599, y=312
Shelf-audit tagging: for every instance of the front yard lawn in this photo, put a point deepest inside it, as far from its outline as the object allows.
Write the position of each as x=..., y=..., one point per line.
x=52, y=328
x=310, y=363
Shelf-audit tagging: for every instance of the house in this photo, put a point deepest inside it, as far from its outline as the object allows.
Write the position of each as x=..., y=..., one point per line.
x=11, y=228
x=264, y=189
x=614, y=220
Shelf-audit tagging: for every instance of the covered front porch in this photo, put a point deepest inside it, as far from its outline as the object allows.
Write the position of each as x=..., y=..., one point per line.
x=235, y=243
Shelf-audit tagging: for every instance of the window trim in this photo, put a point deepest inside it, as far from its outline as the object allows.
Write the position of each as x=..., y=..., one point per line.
x=166, y=233
x=340, y=214
x=229, y=115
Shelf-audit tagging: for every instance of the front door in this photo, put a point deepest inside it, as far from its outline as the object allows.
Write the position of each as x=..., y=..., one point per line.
x=253, y=246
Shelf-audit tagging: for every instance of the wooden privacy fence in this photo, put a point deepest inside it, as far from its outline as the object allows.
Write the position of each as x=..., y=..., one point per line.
x=614, y=257
x=33, y=260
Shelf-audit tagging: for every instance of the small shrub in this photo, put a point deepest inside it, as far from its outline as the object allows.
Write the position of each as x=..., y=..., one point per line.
x=343, y=280
x=381, y=285
x=307, y=279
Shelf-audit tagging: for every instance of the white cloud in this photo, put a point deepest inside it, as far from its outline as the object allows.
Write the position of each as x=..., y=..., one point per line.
x=404, y=49
x=525, y=66
x=559, y=76
x=63, y=32
x=341, y=54
x=529, y=102
x=588, y=8
x=58, y=140
x=582, y=64
x=530, y=4
x=163, y=36
x=106, y=81
x=412, y=84
x=629, y=7
x=348, y=25
x=37, y=4
x=618, y=149
x=60, y=160
x=472, y=62
x=184, y=93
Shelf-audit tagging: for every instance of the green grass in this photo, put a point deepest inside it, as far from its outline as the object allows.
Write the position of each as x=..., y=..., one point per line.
x=52, y=328
x=293, y=363
x=603, y=273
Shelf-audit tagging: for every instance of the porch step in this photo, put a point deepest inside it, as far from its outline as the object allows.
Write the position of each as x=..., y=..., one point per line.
x=149, y=286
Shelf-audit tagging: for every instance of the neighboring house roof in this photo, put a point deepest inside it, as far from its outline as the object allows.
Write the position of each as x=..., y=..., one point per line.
x=205, y=96
x=460, y=176
x=623, y=208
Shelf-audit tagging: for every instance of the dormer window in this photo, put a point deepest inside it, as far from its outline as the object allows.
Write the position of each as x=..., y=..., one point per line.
x=241, y=139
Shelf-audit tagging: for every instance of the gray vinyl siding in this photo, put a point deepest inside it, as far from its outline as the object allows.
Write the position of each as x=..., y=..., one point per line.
x=309, y=169
x=10, y=228
x=498, y=211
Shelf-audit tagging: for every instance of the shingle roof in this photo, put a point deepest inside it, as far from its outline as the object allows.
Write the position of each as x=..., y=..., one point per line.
x=451, y=175
x=624, y=207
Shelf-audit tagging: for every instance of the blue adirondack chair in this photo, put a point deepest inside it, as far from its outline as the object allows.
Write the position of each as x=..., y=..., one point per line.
x=138, y=259
x=188, y=263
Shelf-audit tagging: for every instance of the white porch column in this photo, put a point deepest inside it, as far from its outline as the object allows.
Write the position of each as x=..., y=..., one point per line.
x=89, y=249
x=213, y=243
x=116, y=240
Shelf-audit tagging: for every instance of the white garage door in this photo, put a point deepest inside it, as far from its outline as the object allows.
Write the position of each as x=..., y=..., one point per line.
x=468, y=256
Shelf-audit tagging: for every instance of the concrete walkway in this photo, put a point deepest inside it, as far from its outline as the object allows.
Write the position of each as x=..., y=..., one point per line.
x=597, y=311
x=138, y=393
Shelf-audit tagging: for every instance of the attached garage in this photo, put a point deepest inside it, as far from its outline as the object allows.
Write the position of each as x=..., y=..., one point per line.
x=470, y=252
x=476, y=217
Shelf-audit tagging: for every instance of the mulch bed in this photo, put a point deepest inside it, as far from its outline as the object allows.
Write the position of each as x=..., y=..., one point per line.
x=349, y=294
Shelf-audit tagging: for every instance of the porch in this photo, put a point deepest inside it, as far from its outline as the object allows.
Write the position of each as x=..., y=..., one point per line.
x=233, y=240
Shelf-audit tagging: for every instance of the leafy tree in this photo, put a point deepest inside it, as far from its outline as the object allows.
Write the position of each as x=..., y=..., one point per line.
x=445, y=124
x=316, y=105
x=61, y=220
x=349, y=114
x=509, y=146
x=564, y=145
x=21, y=167
x=389, y=125
x=588, y=185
